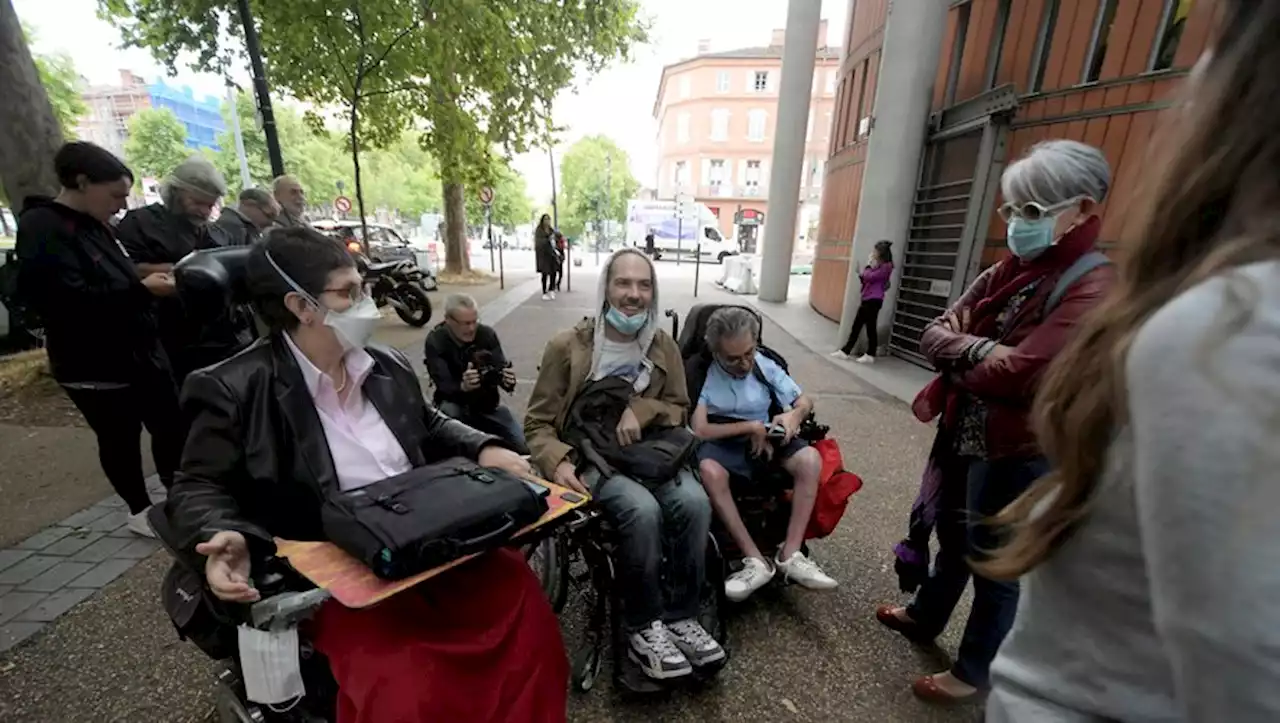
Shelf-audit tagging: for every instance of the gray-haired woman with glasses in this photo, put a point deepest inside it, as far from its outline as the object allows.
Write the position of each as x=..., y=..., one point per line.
x=991, y=347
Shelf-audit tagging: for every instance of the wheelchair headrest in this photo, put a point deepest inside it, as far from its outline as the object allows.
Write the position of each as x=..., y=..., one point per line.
x=212, y=280
x=693, y=335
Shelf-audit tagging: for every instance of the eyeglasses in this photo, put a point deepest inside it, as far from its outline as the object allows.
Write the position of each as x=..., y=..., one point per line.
x=354, y=293
x=738, y=361
x=1032, y=211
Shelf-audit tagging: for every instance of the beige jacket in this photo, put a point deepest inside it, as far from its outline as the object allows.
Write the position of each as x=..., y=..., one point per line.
x=566, y=365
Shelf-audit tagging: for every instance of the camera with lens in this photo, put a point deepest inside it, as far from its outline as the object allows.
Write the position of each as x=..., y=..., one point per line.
x=490, y=372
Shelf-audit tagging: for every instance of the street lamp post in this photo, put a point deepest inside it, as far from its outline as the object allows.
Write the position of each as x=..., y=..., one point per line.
x=260, y=89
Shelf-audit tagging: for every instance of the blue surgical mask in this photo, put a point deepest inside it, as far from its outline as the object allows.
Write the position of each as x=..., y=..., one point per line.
x=626, y=324
x=1029, y=239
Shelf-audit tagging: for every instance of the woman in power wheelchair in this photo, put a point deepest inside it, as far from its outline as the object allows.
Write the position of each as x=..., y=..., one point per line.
x=753, y=420
x=312, y=408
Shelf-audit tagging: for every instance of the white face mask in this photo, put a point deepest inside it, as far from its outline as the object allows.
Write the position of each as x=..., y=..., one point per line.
x=270, y=666
x=354, y=327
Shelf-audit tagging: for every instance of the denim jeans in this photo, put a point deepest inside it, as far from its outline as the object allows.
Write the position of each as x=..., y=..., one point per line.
x=500, y=423
x=962, y=532
x=672, y=521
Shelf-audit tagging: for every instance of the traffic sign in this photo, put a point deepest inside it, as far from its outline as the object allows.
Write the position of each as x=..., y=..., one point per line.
x=486, y=195
x=342, y=204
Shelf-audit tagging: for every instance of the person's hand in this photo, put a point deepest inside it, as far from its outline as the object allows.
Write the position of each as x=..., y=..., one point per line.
x=504, y=459
x=790, y=421
x=567, y=476
x=508, y=379
x=226, y=567
x=470, y=379
x=957, y=321
x=628, y=428
x=999, y=352
x=160, y=284
x=873, y=260
x=758, y=438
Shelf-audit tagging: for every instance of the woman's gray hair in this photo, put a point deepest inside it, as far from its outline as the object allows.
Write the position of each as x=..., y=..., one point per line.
x=729, y=322
x=1054, y=172
x=196, y=175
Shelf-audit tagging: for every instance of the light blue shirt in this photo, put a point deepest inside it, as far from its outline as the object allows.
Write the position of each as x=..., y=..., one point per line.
x=747, y=398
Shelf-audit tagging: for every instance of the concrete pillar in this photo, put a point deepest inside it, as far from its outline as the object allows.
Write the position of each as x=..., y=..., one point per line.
x=904, y=93
x=794, y=94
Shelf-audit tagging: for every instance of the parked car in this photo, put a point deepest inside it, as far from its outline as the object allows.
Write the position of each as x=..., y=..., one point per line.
x=384, y=244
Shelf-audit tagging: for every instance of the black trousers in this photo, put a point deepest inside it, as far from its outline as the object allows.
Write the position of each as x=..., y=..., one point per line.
x=868, y=313
x=548, y=282
x=117, y=416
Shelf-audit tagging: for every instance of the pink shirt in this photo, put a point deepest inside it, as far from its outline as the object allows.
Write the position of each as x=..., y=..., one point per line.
x=363, y=448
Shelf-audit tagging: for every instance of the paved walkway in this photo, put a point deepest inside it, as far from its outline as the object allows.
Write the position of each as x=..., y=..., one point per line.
x=797, y=656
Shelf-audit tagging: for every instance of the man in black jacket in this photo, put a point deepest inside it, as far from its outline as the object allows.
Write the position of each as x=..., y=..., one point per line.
x=468, y=367
x=159, y=236
x=245, y=222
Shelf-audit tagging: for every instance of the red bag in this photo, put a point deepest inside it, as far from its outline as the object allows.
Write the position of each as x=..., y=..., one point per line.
x=835, y=486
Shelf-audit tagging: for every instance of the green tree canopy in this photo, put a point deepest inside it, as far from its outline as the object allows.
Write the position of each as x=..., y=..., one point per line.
x=474, y=74
x=595, y=183
x=157, y=143
x=61, y=81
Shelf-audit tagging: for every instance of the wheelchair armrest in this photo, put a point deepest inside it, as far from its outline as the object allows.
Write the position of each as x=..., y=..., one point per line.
x=286, y=609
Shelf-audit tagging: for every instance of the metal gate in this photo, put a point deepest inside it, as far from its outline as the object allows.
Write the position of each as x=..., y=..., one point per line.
x=958, y=182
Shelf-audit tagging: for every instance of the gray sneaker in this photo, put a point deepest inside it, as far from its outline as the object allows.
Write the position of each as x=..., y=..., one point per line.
x=652, y=649
x=695, y=642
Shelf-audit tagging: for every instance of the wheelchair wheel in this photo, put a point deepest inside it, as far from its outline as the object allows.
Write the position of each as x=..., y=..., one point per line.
x=549, y=560
x=712, y=606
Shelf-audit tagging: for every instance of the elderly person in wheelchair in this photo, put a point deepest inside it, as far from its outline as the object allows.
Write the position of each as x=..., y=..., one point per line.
x=315, y=407
x=748, y=414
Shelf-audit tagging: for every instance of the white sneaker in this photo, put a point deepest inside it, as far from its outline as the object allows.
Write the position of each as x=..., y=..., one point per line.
x=547, y=297
x=139, y=525
x=839, y=354
x=553, y=296
x=695, y=642
x=866, y=359
x=652, y=649
x=805, y=572
x=755, y=574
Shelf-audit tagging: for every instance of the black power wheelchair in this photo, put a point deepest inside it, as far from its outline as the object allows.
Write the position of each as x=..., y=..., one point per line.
x=208, y=282
x=582, y=553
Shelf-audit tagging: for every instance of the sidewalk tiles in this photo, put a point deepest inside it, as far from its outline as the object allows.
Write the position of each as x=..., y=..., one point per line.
x=59, y=567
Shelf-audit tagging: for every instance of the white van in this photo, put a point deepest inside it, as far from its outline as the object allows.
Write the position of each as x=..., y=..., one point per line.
x=673, y=236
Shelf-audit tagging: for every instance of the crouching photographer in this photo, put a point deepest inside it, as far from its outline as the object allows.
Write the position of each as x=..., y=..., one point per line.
x=468, y=367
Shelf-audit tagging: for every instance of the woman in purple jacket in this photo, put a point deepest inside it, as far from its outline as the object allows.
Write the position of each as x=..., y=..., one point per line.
x=875, y=280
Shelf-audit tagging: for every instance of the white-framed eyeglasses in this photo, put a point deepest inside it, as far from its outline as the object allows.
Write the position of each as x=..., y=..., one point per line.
x=1033, y=211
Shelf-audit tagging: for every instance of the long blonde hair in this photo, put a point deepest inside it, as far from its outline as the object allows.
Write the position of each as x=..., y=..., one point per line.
x=1214, y=204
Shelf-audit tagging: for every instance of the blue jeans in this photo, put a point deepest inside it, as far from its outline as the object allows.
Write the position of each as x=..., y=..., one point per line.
x=670, y=522
x=962, y=532
x=500, y=423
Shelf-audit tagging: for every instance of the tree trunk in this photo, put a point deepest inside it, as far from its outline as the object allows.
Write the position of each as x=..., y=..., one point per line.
x=457, y=259
x=355, y=163
x=29, y=132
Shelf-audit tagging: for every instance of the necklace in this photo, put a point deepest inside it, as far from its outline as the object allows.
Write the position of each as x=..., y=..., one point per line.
x=345, y=378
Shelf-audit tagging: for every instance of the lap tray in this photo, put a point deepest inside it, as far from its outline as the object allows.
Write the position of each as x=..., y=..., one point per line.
x=353, y=584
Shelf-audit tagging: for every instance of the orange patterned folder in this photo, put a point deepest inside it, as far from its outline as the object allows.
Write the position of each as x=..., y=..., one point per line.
x=354, y=585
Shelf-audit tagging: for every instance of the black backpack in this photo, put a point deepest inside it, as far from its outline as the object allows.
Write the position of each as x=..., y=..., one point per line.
x=21, y=315
x=591, y=429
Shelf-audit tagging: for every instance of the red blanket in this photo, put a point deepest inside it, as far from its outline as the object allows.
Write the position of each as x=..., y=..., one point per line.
x=478, y=644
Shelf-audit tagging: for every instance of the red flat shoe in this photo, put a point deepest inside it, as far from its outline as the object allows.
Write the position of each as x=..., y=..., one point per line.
x=909, y=629
x=927, y=689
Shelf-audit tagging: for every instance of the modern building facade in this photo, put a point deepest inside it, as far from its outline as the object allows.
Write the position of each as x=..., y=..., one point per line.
x=716, y=114
x=111, y=106
x=1012, y=73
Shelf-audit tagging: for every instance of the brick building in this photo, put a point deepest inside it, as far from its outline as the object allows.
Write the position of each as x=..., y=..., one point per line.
x=1012, y=73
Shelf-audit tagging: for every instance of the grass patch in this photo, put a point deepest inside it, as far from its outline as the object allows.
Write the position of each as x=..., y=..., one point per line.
x=27, y=373
x=474, y=277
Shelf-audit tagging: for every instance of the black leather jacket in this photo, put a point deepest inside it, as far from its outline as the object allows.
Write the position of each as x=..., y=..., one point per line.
x=256, y=459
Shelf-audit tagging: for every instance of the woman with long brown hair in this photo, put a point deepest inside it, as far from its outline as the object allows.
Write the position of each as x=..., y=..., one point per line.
x=1151, y=553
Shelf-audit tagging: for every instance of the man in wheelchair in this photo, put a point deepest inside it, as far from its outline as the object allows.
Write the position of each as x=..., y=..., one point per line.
x=667, y=523
x=748, y=414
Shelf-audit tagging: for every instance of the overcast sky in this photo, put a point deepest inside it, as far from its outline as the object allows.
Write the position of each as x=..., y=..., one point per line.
x=617, y=103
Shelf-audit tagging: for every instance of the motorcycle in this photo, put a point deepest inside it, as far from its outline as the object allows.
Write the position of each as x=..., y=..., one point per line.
x=397, y=283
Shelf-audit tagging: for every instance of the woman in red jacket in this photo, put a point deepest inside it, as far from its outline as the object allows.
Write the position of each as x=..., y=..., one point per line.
x=992, y=346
